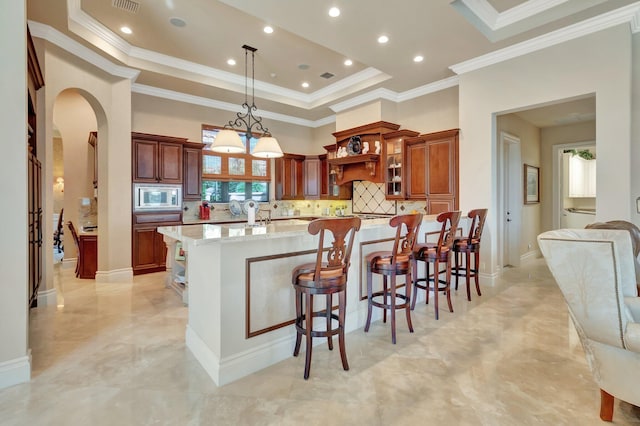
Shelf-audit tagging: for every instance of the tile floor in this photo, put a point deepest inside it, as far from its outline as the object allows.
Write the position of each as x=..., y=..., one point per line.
x=114, y=354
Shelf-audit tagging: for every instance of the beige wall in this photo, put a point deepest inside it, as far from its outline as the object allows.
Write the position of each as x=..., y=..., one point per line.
x=599, y=63
x=166, y=117
x=430, y=113
x=74, y=118
x=110, y=100
x=14, y=359
x=529, y=136
x=635, y=128
x=58, y=171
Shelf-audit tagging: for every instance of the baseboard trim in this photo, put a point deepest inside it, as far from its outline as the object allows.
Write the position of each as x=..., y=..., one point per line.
x=47, y=297
x=115, y=275
x=15, y=371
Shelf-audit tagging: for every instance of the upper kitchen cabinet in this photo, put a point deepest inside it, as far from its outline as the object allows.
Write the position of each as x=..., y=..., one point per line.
x=360, y=165
x=331, y=190
x=312, y=177
x=432, y=171
x=394, y=154
x=157, y=159
x=582, y=177
x=192, y=184
x=289, y=177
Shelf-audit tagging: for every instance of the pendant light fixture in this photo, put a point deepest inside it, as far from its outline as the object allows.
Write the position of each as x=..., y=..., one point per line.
x=228, y=140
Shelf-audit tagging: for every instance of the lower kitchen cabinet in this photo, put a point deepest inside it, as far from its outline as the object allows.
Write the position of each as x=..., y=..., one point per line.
x=149, y=252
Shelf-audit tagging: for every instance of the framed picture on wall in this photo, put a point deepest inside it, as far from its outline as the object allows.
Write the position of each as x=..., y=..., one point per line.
x=531, y=184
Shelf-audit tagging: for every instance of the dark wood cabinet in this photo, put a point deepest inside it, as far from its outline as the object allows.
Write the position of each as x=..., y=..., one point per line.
x=416, y=183
x=192, y=184
x=330, y=188
x=289, y=178
x=432, y=171
x=87, y=256
x=157, y=159
x=149, y=251
x=312, y=178
x=393, y=150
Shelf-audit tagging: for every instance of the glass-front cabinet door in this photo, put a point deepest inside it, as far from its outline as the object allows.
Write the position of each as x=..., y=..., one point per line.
x=394, y=163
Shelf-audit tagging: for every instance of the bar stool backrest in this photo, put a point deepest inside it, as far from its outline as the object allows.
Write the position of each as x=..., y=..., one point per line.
x=449, y=228
x=339, y=254
x=74, y=234
x=407, y=227
x=477, y=217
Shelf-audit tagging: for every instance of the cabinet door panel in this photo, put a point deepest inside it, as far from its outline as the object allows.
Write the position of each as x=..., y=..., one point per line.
x=415, y=172
x=144, y=161
x=170, y=163
x=144, y=250
x=436, y=206
x=312, y=178
x=441, y=178
x=192, y=174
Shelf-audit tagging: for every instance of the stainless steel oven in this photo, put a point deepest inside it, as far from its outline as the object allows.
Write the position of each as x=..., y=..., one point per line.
x=148, y=197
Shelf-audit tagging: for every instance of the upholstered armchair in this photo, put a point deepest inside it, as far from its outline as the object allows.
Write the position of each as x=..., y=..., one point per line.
x=594, y=269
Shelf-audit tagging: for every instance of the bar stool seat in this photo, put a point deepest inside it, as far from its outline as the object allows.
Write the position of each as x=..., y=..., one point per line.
x=467, y=246
x=324, y=278
x=436, y=254
x=391, y=264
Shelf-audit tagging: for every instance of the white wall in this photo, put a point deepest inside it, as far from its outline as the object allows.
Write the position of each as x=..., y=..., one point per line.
x=599, y=63
x=14, y=358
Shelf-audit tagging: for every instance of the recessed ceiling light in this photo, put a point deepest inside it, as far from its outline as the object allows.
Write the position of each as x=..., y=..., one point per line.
x=334, y=12
x=231, y=62
x=268, y=29
x=177, y=22
x=348, y=62
x=126, y=30
x=418, y=58
x=383, y=39
x=305, y=84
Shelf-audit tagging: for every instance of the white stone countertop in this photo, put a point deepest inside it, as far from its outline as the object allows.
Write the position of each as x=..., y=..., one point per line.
x=199, y=234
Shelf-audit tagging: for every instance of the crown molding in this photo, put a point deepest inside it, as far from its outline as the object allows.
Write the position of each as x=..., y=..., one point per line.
x=54, y=36
x=225, y=106
x=524, y=11
x=627, y=14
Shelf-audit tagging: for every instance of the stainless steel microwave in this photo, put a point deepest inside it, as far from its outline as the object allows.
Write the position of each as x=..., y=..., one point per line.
x=147, y=197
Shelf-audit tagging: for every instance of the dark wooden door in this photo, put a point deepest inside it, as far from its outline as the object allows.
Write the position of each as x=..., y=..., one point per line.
x=289, y=177
x=169, y=163
x=192, y=184
x=145, y=163
x=312, y=178
x=415, y=170
x=148, y=250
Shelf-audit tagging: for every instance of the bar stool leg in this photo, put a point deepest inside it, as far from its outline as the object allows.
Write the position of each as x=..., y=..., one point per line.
x=408, y=300
x=456, y=259
x=393, y=307
x=476, y=264
x=329, y=336
x=448, y=286
x=369, y=298
x=309, y=328
x=436, y=285
x=385, y=294
x=342, y=307
x=414, y=296
x=296, y=350
x=468, y=273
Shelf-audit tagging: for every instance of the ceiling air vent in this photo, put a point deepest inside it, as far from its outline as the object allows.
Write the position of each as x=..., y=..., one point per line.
x=128, y=5
x=327, y=75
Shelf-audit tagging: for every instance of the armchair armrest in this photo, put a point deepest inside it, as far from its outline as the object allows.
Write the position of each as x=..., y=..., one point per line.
x=633, y=307
x=632, y=336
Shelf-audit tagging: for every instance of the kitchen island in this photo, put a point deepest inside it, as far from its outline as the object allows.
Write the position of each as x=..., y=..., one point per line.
x=240, y=297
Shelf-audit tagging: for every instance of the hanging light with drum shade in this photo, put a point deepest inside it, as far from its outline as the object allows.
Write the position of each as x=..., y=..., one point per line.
x=228, y=140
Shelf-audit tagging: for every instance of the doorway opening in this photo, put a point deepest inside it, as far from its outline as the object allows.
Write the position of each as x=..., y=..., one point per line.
x=510, y=195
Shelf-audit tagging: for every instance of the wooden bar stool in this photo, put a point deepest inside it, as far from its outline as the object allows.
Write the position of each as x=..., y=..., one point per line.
x=439, y=254
x=76, y=241
x=391, y=264
x=466, y=246
x=324, y=278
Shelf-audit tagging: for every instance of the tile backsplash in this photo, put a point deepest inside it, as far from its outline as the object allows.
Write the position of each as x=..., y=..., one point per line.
x=368, y=197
